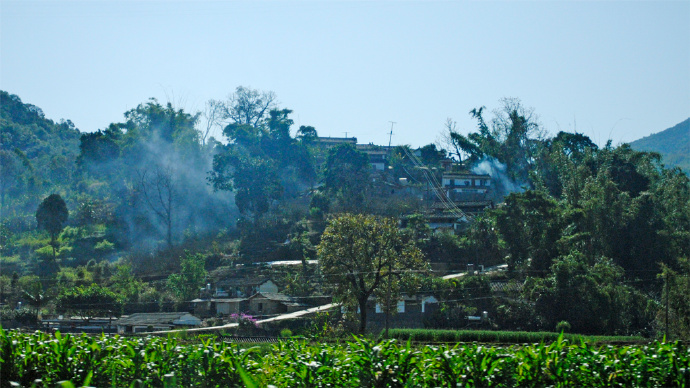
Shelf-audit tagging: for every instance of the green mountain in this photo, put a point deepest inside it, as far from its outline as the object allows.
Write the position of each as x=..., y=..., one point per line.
x=673, y=144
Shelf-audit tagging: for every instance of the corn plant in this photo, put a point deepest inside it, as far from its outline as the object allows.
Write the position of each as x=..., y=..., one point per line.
x=44, y=360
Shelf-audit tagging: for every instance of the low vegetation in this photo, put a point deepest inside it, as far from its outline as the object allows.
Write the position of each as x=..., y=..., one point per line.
x=65, y=360
x=502, y=337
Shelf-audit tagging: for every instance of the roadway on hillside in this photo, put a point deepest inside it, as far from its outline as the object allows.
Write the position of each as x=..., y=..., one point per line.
x=292, y=315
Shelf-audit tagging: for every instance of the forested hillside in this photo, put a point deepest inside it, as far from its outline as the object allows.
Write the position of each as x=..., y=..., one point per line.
x=141, y=214
x=673, y=144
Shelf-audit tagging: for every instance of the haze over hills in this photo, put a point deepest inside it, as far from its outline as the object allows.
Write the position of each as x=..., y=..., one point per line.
x=673, y=144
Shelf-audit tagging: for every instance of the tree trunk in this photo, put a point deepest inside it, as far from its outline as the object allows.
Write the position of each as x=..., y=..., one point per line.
x=169, y=231
x=363, y=316
x=53, y=242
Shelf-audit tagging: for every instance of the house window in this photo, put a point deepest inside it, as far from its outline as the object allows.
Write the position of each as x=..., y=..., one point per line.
x=379, y=310
x=487, y=183
x=446, y=182
x=261, y=307
x=401, y=306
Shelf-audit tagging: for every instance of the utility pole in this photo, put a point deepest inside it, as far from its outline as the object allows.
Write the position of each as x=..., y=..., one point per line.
x=388, y=297
x=390, y=138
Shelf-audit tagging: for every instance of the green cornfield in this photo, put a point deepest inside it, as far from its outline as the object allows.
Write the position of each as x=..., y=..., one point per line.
x=49, y=360
x=504, y=337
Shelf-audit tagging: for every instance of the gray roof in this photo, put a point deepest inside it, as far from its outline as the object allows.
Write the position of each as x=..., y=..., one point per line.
x=274, y=296
x=152, y=318
x=231, y=300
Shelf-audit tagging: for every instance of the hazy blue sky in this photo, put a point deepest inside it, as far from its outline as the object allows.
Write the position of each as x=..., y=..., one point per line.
x=618, y=70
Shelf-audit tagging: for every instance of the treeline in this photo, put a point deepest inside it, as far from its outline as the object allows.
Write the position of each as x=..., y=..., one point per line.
x=579, y=226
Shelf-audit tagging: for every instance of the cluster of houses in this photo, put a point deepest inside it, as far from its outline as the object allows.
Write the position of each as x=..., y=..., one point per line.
x=257, y=297
x=459, y=191
x=457, y=194
x=253, y=296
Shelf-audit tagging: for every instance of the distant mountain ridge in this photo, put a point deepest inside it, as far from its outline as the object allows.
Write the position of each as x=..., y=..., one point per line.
x=673, y=144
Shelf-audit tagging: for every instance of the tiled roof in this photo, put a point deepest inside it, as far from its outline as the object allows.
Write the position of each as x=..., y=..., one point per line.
x=151, y=318
x=231, y=300
x=274, y=296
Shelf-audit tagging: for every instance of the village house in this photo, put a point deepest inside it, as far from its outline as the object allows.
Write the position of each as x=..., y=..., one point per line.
x=330, y=142
x=80, y=324
x=144, y=322
x=410, y=312
x=407, y=312
x=268, y=303
x=215, y=307
x=378, y=155
x=243, y=287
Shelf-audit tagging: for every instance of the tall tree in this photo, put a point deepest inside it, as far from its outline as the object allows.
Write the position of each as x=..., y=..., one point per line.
x=530, y=224
x=185, y=285
x=159, y=191
x=51, y=216
x=346, y=176
x=248, y=106
x=359, y=253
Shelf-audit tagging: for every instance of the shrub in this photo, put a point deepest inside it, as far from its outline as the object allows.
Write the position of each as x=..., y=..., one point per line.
x=563, y=326
x=285, y=333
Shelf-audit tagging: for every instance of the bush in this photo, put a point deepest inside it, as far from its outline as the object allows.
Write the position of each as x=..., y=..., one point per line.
x=285, y=333
x=504, y=337
x=563, y=326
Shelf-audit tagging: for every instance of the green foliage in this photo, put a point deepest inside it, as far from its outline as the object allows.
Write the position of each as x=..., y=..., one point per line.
x=346, y=176
x=51, y=216
x=502, y=337
x=158, y=362
x=261, y=163
x=185, y=285
x=563, y=326
x=530, y=225
x=676, y=289
x=90, y=301
x=104, y=246
x=285, y=333
x=360, y=254
x=598, y=302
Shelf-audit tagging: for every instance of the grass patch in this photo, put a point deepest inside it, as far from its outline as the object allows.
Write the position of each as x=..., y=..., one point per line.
x=503, y=337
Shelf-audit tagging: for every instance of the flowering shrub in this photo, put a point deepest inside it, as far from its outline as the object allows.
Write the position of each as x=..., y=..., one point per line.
x=246, y=323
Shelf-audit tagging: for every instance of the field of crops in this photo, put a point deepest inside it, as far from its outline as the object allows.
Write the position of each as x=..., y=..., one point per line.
x=74, y=361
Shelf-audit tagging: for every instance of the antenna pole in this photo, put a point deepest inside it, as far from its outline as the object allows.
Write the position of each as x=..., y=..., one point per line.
x=391, y=135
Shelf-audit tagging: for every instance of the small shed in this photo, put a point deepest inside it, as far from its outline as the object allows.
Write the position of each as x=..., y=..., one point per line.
x=269, y=303
x=229, y=306
x=142, y=322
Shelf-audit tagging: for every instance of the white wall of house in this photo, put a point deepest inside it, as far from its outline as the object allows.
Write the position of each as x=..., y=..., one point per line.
x=268, y=286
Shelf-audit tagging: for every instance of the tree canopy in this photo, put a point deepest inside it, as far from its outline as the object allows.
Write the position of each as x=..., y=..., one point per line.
x=360, y=253
x=51, y=216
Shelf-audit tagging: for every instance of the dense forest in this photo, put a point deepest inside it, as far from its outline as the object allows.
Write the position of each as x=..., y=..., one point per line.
x=139, y=215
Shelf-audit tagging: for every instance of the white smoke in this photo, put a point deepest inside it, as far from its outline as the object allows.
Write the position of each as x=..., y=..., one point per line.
x=502, y=184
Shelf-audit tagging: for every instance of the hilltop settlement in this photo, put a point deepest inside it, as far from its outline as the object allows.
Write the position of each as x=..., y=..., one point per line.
x=151, y=224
